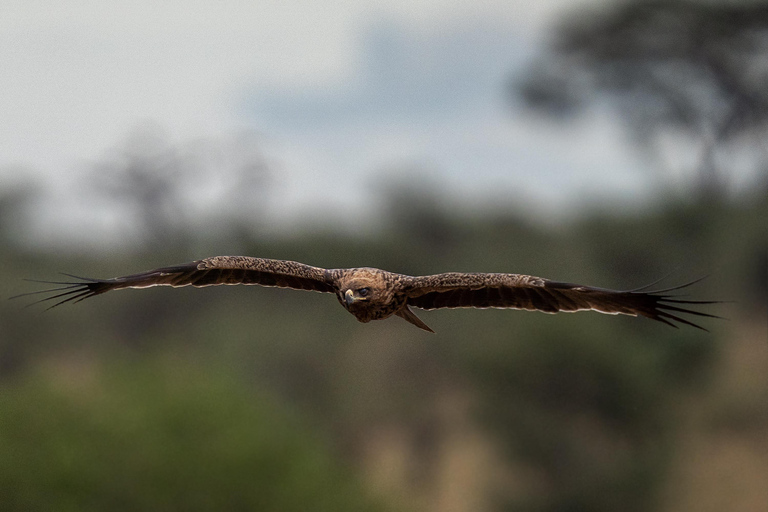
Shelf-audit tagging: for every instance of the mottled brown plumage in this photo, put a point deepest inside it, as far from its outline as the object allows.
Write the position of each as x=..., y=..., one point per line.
x=374, y=294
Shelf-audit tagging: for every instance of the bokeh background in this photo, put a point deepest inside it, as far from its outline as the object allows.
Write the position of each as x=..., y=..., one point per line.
x=602, y=142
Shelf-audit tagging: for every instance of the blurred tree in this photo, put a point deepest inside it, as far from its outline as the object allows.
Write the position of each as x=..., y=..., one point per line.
x=688, y=77
x=144, y=178
x=166, y=189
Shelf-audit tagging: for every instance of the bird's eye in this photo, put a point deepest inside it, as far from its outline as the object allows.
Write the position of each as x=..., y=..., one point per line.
x=363, y=292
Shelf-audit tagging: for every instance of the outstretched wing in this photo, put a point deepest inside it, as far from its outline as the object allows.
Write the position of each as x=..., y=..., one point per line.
x=208, y=272
x=515, y=291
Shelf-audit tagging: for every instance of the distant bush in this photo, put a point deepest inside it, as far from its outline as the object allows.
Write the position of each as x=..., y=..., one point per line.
x=163, y=435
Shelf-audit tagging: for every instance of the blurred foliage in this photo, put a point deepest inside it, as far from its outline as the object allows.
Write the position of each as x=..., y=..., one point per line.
x=159, y=434
x=588, y=403
x=687, y=76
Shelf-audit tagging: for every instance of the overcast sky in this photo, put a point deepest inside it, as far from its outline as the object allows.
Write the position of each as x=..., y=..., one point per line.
x=340, y=93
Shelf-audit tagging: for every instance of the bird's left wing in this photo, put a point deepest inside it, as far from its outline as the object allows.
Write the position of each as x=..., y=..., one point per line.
x=516, y=291
x=208, y=272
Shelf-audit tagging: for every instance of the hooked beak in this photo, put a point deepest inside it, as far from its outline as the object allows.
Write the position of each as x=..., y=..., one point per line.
x=349, y=298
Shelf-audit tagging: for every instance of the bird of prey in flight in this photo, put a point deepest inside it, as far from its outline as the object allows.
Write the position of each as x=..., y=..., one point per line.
x=374, y=294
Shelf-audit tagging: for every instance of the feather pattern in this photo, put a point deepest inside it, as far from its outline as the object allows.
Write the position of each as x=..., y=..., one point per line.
x=515, y=291
x=373, y=294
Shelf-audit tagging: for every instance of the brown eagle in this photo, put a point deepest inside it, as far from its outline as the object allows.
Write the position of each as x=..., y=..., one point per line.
x=373, y=294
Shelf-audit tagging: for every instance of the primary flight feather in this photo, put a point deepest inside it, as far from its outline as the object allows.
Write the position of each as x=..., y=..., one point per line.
x=374, y=294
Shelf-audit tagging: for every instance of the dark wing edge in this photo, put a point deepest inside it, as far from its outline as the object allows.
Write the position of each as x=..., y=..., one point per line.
x=218, y=270
x=455, y=290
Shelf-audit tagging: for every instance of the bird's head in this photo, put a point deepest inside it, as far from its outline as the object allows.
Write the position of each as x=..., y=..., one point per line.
x=364, y=290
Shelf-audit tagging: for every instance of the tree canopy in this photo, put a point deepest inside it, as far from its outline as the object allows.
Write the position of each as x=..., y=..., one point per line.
x=687, y=77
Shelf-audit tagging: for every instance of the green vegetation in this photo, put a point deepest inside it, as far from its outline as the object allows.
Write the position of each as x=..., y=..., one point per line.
x=267, y=390
x=160, y=434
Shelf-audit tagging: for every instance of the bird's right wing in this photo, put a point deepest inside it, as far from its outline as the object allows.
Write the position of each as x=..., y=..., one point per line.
x=207, y=272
